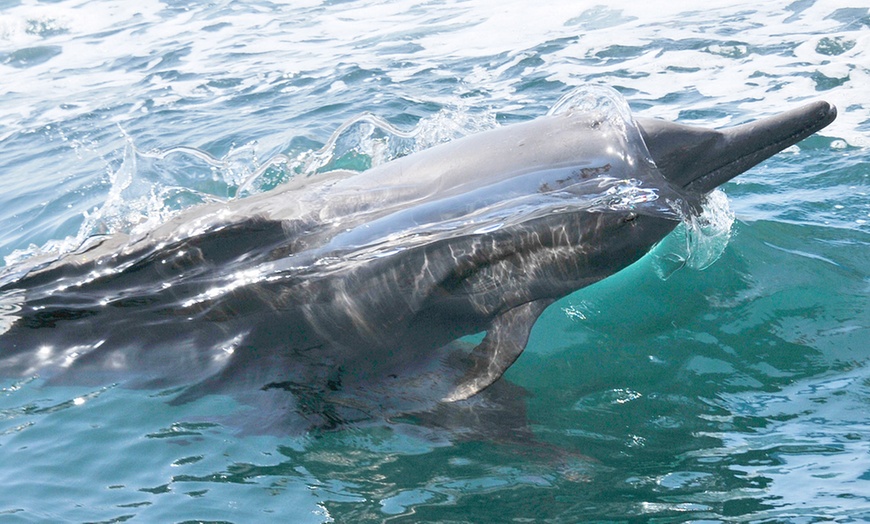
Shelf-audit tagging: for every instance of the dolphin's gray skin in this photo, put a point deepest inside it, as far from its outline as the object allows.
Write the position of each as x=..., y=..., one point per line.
x=356, y=286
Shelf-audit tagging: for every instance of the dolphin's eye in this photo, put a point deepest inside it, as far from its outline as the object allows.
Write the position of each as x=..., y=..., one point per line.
x=629, y=218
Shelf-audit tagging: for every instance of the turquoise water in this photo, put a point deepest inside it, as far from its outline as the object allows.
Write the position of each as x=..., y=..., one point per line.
x=738, y=392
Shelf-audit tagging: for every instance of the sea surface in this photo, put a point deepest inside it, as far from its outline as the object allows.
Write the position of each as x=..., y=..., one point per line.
x=727, y=384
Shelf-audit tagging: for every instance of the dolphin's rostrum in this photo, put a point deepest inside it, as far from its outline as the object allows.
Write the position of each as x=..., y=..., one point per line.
x=357, y=284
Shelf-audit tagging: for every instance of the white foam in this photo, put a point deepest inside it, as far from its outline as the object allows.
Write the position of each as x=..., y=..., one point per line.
x=314, y=39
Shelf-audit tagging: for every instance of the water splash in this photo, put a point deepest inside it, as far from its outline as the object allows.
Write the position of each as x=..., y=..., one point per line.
x=610, y=109
x=699, y=241
x=150, y=187
x=609, y=112
x=368, y=141
x=597, y=100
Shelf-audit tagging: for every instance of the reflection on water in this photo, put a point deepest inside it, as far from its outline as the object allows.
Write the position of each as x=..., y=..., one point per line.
x=810, y=433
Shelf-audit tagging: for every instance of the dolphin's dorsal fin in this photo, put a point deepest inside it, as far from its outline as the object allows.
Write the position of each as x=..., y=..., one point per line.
x=505, y=340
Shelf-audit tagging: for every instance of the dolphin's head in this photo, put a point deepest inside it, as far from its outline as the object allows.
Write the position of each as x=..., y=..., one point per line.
x=693, y=161
x=699, y=159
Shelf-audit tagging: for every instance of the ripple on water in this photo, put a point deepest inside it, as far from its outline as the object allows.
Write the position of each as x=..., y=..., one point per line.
x=735, y=393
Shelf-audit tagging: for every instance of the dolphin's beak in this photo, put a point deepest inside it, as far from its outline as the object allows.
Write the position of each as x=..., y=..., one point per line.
x=699, y=159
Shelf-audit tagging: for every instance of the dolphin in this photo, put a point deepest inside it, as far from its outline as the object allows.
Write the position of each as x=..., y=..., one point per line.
x=420, y=278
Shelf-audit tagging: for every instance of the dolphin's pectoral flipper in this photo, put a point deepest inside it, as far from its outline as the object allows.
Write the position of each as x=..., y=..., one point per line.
x=505, y=340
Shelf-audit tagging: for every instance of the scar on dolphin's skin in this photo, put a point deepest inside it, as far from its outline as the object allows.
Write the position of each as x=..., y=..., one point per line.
x=351, y=285
x=583, y=173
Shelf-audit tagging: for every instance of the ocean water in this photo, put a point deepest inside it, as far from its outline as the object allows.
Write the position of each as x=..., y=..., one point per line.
x=728, y=383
